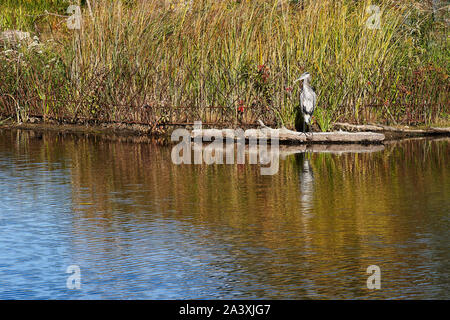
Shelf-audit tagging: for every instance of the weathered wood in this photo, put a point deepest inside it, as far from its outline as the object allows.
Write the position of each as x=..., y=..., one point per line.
x=286, y=135
x=443, y=130
x=383, y=128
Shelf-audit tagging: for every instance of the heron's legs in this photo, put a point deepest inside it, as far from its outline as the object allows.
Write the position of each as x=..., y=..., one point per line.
x=309, y=132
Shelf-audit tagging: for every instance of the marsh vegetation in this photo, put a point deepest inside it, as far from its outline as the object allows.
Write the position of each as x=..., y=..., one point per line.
x=227, y=62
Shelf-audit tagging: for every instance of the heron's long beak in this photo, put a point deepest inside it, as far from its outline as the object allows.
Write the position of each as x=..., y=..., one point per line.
x=302, y=77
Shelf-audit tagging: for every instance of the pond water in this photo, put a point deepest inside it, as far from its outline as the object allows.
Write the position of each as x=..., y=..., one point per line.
x=140, y=227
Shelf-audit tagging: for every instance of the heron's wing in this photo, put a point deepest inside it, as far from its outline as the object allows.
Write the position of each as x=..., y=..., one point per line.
x=307, y=102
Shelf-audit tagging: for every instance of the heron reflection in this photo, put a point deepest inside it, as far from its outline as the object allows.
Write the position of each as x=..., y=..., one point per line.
x=306, y=182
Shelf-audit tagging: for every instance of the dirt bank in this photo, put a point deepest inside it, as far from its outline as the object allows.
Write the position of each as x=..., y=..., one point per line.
x=163, y=133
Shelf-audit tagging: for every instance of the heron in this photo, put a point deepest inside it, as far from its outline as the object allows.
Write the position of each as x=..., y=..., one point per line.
x=307, y=101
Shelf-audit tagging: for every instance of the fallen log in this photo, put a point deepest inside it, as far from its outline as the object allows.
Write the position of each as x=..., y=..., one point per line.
x=383, y=128
x=286, y=135
x=443, y=130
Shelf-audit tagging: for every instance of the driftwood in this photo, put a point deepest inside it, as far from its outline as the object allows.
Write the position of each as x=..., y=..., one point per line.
x=440, y=130
x=286, y=135
x=383, y=128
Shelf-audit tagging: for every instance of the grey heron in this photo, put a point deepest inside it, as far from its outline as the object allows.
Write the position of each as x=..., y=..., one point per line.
x=307, y=101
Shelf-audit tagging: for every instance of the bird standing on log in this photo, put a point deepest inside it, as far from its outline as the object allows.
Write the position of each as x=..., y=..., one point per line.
x=307, y=103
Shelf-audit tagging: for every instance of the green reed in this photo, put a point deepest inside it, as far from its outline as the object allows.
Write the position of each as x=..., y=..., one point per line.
x=155, y=61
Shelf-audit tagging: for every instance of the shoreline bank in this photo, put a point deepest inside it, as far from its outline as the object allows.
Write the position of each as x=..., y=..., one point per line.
x=161, y=133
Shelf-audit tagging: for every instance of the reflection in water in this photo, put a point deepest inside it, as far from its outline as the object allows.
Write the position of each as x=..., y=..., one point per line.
x=140, y=227
x=306, y=189
x=306, y=186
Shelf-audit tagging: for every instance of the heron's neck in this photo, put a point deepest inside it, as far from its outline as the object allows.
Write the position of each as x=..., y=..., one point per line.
x=306, y=85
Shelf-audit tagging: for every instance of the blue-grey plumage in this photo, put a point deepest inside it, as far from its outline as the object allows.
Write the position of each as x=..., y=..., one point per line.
x=307, y=98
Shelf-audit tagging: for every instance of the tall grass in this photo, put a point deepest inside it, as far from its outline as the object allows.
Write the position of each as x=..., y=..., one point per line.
x=234, y=62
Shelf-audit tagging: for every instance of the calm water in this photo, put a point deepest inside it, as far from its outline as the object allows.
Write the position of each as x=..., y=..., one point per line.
x=140, y=227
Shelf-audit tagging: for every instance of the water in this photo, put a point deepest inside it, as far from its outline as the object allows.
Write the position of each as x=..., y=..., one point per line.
x=140, y=227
